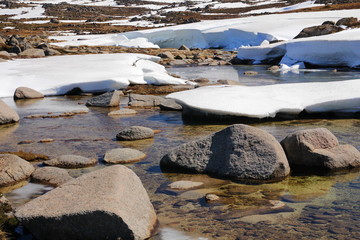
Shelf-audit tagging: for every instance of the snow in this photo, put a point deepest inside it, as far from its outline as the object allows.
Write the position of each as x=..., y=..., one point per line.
x=338, y=49
x=267, y=101
x=307, y=4
x=229, y=33
x=92, y=73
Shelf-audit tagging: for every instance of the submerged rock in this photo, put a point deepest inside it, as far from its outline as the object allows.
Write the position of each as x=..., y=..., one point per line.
x=184, y=185
x=123, y=155
x=71, y=161
x=109, y=99
x=319, y=148
x=27, y=93
x=110, y=203
x=238, y=151
x=7, y=114
x=51, y=175
x=13, y=169
x=122, y=112
x=135, y=133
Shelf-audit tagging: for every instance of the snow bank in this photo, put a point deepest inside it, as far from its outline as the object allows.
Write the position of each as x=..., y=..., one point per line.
x=91, y=73
x=338, y=49
x=267, y=101
x=229, y=33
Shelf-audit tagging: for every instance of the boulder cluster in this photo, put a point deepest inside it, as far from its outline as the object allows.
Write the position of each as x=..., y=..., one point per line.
x=13, y=46
x=243, y=152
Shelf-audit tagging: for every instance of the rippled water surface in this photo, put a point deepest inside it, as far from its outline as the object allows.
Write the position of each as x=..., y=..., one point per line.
x=314, y=206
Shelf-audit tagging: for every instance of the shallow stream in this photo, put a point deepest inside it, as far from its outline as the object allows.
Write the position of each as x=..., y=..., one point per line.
x=317, y=206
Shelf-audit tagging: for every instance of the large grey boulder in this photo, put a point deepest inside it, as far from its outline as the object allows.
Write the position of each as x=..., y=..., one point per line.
x=7, y=114
x=135, y=133
x=109, y=99
x=319, y=148
x=137, y=100
x=71, y=161
x=27, y=93
x=51, y=175
x=13, y=169
x=123, y=155
x=110, y=203
x=239, y=152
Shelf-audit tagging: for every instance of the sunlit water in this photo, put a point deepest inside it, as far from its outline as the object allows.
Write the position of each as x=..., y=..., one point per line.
x=317, y=206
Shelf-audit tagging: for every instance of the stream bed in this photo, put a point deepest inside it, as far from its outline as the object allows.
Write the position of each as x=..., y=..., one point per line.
x=316, y=205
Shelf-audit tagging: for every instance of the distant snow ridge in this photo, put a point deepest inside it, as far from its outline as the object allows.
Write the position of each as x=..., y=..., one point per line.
x=338, y=49
x=228, y=34
x=91, y=73
x=267, y=101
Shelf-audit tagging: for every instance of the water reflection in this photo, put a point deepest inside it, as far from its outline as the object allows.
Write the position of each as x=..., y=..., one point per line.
x=264, y=76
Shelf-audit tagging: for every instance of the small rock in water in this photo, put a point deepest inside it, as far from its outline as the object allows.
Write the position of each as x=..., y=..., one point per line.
x=170, y=105
x=13, y=169
x=123, y=155
x=229, y=82
x=137, y=100
x=51, y=175
x=71, y=161
x=7, y=114
x=250, y=73
x=135, y=133
x=211, y=197
x=274, y=68
x=109, y=99
x=46, y=140
x=184, y=185
x=121, y=112
x=27, y=93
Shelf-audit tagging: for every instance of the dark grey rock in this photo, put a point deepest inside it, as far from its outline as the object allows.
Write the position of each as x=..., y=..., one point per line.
x=109, y=99
x=238, y=151
x=135, y=133
x=319, y=148
x=110, y=203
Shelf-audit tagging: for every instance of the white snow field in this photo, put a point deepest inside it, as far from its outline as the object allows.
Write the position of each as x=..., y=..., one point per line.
x=228, y=34
x=92, y=73
x=267, y=101
x=338, y=49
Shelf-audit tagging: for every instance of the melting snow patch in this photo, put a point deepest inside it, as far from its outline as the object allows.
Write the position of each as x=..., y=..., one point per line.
x=91, y=73
x=267, y=101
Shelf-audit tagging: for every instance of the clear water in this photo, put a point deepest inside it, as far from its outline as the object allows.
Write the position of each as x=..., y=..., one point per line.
x=264, y=77
x=316, y=206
